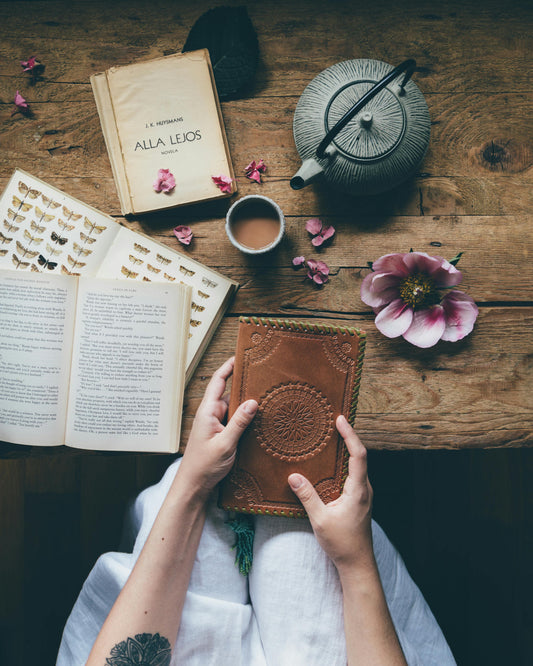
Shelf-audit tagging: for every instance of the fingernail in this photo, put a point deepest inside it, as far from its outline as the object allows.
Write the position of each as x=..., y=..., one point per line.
x=295, y=481
x=250, y=407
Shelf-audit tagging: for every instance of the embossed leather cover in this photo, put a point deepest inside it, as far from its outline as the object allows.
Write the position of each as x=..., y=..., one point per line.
x=303, y=376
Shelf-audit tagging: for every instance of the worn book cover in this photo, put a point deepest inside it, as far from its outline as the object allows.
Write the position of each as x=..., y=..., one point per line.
x=303, y=376
x=163, y=114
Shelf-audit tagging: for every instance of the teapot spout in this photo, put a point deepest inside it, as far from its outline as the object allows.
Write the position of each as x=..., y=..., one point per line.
x=310, y=169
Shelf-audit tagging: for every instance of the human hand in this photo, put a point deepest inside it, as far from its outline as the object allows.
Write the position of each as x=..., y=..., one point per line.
x=210, y=451
x=342, y=527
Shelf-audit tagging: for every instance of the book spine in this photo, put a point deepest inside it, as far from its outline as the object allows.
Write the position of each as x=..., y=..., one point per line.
x=109, y=129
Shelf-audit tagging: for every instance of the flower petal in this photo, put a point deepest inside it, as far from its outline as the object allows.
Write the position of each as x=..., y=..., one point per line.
x=327, y=232
x=427, y=327
x=391, y=263
x=261, y=166
x=312, y=264
x=183, y=234
x=395, y=319
x=251, y=167
x=443, y=273
x=20, y=102
x=317, y=241
x=461, y=313
x=320, y=278
x=446, y=275
x=314, y=225
x=298, y=261
x=254, y=175
x=322, y=267
x=224, y=183
x=379, y=289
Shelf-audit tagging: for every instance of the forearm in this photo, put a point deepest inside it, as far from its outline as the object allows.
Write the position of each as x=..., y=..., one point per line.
x=152, y=600
x=370, y=635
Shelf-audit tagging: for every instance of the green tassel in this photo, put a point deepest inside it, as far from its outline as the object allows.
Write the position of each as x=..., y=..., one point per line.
x=243, y=526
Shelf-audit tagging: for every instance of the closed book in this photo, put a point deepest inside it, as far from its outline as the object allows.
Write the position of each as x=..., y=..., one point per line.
x=163, y=114
x=303, y=375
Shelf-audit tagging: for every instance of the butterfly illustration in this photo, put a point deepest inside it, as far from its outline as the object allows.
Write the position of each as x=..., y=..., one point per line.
x=93, y=226
x=202, y=294
x=54, y=251
x=197, y=308
x=81, y=250
x=49, y=203
x=65, y=226
x=58, y=239
x=135, y=260
x=25, y=251
x=13, y=216
x=163, y=260
x=5, y=240
x=25, y=207
x=3, y=253
x=186, y=271
x=153, y=269
x=66, y=271
x=10, y=226
x=32, y=239
x=195, y=322
x=208, y=282
x=46, y=263
x=86, y=239
x=43, y=216
x=25, y=190
x=130, y=274
x=140, y=248
x=36, y=227
x=35, y=269
x=145, y=279
x=168, y=277
x=70, y=215
x=18, y=262
x=74, y=262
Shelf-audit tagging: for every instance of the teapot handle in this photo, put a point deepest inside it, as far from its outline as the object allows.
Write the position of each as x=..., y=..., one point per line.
x=408, y=66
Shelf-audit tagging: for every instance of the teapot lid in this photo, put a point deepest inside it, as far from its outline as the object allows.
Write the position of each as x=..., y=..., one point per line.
x=375, y=131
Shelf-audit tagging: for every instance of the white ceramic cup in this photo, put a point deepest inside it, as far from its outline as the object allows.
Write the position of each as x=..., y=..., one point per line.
x=239, y=207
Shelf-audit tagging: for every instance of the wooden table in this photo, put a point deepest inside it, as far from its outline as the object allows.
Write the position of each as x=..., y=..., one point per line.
x=473, y=193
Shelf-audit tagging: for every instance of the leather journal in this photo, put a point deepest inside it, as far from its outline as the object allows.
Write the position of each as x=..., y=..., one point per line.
x=303, y=376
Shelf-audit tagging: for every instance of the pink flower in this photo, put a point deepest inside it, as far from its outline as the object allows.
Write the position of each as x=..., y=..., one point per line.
x=298, y=261
x=403, y=291
x=321, y=233
x=183, y=234
x=30, y=64
x=254, y=170
x=165, y=181
x=21, y=105
x=318, y=271
x=224, y=183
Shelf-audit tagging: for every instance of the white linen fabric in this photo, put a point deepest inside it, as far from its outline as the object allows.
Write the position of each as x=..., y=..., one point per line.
x=288, y=612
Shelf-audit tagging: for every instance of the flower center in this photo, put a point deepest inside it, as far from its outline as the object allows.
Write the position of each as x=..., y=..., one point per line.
x=418, y=290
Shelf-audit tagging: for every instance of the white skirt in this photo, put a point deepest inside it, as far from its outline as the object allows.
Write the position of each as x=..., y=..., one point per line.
x=287, y=612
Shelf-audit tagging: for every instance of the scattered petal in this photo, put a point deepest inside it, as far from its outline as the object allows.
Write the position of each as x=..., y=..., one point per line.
x=224, y=183
x=321, y=233
x=461, y=313
x=318, y=271
x=165, y=181
x=183, y=234
x=298, y=261
x=30, y=64
x=313, y=226
x=21, y=105
x=327, y=232
x=254, y=170
x=427, y=327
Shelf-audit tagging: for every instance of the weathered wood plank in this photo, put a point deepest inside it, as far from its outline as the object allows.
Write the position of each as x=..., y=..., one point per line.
x=454, y=45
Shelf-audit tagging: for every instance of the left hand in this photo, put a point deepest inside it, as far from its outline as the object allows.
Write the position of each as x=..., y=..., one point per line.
x=210, y=451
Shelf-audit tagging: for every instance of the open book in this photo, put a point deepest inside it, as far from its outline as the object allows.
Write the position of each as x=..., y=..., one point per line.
x=91, y=363
x=46, y=230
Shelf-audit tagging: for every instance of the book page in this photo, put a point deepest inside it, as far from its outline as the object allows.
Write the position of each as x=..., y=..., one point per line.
x=167, y=117
x=36, y=328
x=136, y=257
x=128, y=366
x=46, y=230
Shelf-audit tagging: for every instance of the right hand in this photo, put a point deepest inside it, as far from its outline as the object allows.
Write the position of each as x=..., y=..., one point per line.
x=342, y=527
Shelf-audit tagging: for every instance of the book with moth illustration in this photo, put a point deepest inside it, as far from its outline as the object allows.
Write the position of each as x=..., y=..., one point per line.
x=46, y=230
x=92, y=363
x=303, y=375
x=184, y=132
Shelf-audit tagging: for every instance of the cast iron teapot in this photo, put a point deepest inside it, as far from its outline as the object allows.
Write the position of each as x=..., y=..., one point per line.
x=359, y=128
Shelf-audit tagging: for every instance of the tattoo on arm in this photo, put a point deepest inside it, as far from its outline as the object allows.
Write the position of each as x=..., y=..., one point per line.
x=145, y=649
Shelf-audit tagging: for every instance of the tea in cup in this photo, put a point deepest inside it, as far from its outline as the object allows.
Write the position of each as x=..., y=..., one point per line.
x=255, y=224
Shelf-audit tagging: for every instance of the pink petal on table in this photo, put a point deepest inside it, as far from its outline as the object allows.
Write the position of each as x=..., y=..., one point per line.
x=183, y=234
x=395, y=319
x=322, y=267
x=379, y=289
x=254, y=175
x=391, y=263
x=427, y=327
x=327, y=232
x=313, y=226
x=261, y=166
x=320, y=278
x=317, y=240
x=224, y=183
x=461, y=313
x=298, y=261
x=30, y=64
x=20, y=102
x=312, y=264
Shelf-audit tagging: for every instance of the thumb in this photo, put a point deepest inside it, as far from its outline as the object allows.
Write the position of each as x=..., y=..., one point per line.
x=240, y=420
x=308, y=496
